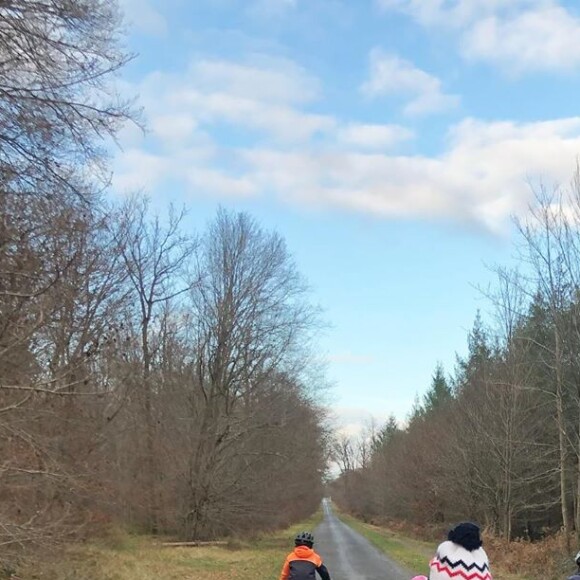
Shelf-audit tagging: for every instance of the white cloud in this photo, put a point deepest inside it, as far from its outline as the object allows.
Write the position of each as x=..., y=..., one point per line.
x=137, y=169
x=457, y=13
x=542, y=39
x=264, y=79
x=370, y=136
x=174, y=129
x=219, y=183
x=299, y=157
x=355, y=422
x=279, y=121
x=263, y=95
x=517, y=35
x=481, y=179
x=142, y=15
x=392, y=75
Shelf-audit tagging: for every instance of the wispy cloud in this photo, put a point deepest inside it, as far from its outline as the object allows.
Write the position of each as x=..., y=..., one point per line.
x=370, y=136
x=262, y=78
x=312, y=159
x=137, y=169
x=545, y=38
x=144, y=16
x=264, y=95
x=518, y=36
x=392, y=75
x=457, y=13
x=354, y=421
x=481, y=178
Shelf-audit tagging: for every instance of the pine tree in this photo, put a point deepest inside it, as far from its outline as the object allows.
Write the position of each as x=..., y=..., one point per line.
x=417, y=412
x=386, y=434
x=475, y=368
x=440, y=392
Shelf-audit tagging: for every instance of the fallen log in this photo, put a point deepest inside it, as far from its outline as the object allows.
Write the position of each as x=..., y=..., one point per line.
x=192, y=544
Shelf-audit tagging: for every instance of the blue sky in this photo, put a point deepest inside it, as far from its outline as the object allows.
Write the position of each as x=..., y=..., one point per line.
x=389, y=141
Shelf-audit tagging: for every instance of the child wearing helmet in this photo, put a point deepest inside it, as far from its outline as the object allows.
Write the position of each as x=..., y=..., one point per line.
x=303, y=562
x=577, y=575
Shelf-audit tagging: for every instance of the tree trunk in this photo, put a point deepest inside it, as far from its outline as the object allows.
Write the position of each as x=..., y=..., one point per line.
x=150, y=461
x=577, y=499
x=561, y=439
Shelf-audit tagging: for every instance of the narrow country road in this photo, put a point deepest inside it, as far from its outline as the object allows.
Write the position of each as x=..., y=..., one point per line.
x=350, y=556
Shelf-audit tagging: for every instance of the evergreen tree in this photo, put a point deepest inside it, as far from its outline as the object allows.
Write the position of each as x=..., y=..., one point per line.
x=417, y=412
x=386, y=434
x=475, y=368
x=439, y=393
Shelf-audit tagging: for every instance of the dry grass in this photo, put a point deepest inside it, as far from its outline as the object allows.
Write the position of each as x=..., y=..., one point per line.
x=120, y=556
x=412, y=546
x=544, y=560
x=124, y=557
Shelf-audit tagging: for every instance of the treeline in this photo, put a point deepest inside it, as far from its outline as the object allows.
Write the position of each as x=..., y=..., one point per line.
x=498, y=441
x=148, y=375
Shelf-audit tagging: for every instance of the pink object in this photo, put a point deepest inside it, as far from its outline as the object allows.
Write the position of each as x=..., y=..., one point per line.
x=420, y=578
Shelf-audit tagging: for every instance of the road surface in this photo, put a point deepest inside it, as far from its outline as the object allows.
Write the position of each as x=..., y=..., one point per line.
x=350, y=556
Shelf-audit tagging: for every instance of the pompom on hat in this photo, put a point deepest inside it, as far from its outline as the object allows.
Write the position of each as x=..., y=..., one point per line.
x=466, y=535
x=461, y=557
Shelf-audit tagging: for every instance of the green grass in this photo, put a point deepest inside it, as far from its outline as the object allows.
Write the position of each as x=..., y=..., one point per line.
x=414, y=555
x=125, y=557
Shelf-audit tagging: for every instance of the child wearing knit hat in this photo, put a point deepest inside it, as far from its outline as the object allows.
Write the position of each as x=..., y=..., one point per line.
x=577, y=575
x=461, y=557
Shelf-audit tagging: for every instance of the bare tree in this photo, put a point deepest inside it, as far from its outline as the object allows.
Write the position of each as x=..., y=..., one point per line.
x=56, y=313
x=58, y=270
x=155, y=257
x=252, y=323
x=57, y=101
x=344, y=454
x=543, y=234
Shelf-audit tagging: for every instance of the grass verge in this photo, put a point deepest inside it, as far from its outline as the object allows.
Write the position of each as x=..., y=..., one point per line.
x=131, y=557
x=412, y=554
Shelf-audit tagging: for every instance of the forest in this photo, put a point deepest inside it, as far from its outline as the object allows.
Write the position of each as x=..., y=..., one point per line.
x=498, y=439
x=150, y=375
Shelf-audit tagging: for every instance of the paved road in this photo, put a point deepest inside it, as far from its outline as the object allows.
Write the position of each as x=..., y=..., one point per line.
x=350, y=556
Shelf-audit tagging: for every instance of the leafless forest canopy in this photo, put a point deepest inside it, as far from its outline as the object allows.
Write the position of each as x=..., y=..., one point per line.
x=149, y=375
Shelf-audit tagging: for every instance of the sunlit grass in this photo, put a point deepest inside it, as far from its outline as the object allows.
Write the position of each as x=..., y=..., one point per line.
x=141, y=558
